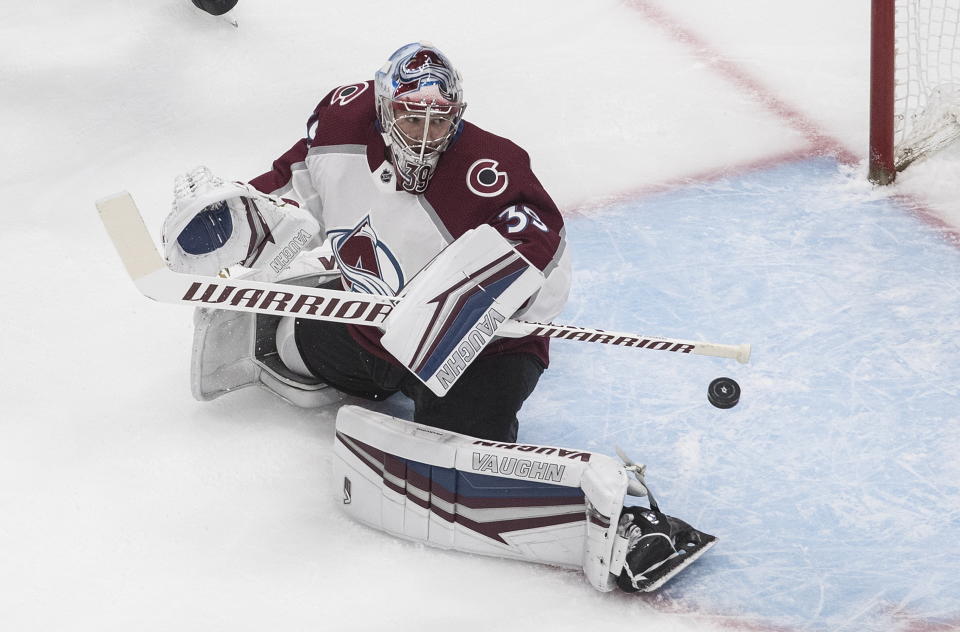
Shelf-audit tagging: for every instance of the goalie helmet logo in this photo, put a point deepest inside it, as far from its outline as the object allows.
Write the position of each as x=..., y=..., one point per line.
x=423, y=68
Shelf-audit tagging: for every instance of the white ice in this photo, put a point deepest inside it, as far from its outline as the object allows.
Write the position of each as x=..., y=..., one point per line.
x=683, y=140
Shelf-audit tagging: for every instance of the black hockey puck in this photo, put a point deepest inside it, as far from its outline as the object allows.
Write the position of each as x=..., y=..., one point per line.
x=215, y=7
x=723, y=392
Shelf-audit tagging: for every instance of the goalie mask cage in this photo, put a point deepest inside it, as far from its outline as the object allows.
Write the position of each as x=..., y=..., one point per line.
x=914, y=82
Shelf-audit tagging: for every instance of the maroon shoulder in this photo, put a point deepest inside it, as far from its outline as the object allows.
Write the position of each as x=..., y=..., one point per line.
x=480, y=175
x=344, y=116
x=486, y=179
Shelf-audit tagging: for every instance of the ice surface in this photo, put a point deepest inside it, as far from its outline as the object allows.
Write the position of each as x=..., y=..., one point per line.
x=833, y=484
x=682, y=139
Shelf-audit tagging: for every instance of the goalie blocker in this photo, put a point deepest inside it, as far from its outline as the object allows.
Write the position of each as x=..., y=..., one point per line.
x=541, y=504
x=455, y=305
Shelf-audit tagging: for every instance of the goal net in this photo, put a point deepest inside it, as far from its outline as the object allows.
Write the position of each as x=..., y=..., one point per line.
x=915, y=82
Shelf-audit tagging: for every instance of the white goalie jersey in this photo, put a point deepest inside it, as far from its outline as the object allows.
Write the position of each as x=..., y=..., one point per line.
x=383, y=236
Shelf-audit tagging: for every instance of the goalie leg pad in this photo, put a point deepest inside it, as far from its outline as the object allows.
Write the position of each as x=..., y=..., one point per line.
x=535, y=503
x=233, y=350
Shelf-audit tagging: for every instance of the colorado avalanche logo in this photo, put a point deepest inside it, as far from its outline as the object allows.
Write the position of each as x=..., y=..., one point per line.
x=423, y=68
x=484, y=179
x=346, y=94
x=366, y=262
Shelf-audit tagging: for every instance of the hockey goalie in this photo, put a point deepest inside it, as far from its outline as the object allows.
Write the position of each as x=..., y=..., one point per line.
x=393, y=194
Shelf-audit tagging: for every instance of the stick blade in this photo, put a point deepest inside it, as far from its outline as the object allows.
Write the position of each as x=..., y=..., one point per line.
x=129, y=235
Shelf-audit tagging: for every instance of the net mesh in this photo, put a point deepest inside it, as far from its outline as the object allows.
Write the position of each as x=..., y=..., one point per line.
x=927, y=97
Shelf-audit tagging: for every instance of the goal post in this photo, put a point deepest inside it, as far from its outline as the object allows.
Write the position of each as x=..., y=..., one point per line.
x=882, y=57
x=914, y=82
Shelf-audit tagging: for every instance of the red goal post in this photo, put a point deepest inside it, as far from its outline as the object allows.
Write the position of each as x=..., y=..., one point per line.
x=914, y=82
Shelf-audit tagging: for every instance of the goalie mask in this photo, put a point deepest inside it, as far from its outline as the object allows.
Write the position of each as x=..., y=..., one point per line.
x=420, y=108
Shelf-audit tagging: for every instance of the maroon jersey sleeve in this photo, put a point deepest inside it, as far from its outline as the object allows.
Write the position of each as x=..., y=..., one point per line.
x=486, y=179
x=531, y=220
x=341, y=117
x=278, y=179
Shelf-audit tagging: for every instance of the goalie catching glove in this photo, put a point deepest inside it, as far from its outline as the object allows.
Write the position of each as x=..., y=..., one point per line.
x=216, y=224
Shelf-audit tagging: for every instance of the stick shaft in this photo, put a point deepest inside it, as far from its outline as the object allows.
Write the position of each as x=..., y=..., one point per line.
x=155, y=280
x=741, y=353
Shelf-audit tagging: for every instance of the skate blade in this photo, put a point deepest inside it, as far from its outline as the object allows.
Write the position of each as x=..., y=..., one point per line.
x=665, y=573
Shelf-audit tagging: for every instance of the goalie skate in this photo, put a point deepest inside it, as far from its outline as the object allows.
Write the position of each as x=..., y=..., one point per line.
x=654, y=547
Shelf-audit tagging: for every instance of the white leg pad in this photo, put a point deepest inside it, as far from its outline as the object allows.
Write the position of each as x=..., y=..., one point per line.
x=536, y=503
x=230, y=354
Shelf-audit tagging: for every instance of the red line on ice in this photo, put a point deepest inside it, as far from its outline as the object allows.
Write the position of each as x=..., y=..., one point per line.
x=818, y=142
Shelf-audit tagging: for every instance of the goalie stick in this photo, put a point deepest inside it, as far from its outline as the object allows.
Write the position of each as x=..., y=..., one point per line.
x=154, y=279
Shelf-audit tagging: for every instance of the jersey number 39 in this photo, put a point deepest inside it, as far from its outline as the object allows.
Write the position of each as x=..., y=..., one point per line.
x=519, y=216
